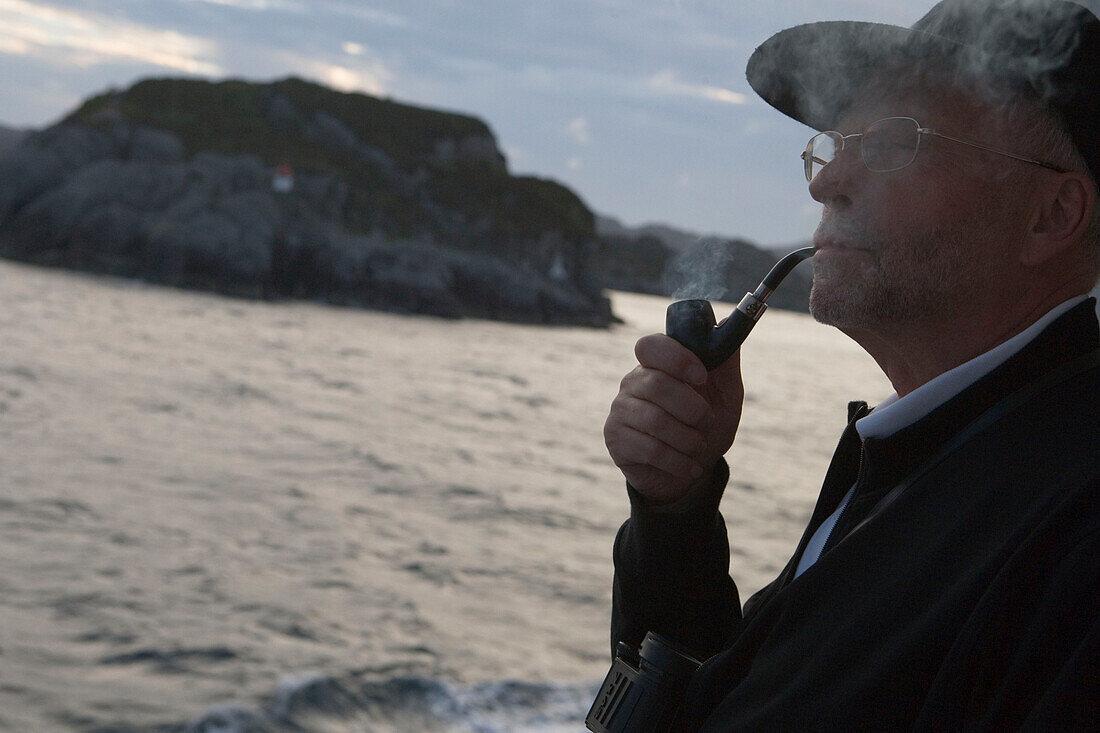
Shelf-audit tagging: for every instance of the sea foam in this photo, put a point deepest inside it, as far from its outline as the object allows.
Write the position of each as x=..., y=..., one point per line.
x=321, y=703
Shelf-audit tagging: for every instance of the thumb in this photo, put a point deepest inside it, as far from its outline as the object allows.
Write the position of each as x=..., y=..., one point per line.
x=726, y=379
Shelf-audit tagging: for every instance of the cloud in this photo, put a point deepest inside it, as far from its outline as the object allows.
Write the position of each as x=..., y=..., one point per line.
x=514, y=154
x=261, y=5
x=369, y=77
x=373, y=16
x=578, y=130
x=668, y=82
x=14, y=46
x=86, y=39
x=349, y=80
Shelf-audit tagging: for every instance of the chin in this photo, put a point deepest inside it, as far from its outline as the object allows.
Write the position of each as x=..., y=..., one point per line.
x=829, y=309
x=835, y=299
x=848, y=304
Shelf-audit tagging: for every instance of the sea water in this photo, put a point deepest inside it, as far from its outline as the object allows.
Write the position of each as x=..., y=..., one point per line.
x=224, y=515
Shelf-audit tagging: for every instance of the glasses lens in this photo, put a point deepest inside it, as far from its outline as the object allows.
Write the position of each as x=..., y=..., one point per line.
x=890, y=144
x=820, y=150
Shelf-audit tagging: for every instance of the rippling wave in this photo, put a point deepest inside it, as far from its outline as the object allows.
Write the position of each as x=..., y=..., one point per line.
x=321, y=703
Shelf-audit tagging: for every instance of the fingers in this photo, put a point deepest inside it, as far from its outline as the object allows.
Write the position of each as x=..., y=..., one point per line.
x=649, y=419
x=638, y=432
x=671, y=395
x=672, y=418
x=657, y=419
x=629, y=447
x=665, y=354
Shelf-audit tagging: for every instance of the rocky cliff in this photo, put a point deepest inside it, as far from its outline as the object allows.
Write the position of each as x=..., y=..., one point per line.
x=10, y=137
x=661, y=260
x=290, y=189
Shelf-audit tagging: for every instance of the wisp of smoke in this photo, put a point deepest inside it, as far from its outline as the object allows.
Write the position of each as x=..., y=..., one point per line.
x=700, y=271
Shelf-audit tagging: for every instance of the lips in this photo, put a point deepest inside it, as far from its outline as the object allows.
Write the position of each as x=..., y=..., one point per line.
x=836, y=232
x=834, y=241
x=830, y=245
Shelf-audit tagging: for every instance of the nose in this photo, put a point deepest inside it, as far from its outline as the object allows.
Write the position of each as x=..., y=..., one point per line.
x=836, y=180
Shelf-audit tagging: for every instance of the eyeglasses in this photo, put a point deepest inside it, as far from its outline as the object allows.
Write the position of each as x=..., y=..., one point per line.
x=889, y=144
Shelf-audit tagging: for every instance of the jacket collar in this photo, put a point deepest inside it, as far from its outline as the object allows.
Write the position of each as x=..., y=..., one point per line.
x=1072, y=335
x=893, y=413
x=880, y=463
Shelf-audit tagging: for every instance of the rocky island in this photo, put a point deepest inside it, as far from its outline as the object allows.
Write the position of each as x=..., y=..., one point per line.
x=293, y=190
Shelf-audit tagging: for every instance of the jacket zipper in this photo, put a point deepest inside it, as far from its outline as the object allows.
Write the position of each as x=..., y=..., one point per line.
x=844, y=509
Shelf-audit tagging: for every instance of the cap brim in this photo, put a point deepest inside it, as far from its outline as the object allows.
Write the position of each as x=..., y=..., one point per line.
x=812, y=72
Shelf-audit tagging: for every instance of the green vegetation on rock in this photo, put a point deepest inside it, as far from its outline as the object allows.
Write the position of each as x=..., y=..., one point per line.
x=370, y=144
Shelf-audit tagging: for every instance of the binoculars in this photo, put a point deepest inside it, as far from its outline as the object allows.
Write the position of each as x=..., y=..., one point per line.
x=643, y=689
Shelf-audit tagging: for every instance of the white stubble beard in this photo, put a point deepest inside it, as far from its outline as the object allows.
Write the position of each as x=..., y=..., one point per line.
x=891, y=280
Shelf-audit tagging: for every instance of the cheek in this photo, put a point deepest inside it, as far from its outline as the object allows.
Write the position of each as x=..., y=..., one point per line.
x=887, y=209
x=927, y=190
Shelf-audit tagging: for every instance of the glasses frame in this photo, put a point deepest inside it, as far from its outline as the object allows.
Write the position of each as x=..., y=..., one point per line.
x=841, y=141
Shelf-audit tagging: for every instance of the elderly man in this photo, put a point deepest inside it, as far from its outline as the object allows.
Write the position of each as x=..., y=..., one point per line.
x=949, y=577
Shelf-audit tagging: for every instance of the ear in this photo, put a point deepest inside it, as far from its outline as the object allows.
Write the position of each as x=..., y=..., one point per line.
x=1063, y=213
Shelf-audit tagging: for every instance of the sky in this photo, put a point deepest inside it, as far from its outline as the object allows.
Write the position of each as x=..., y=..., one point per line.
x=639, y=106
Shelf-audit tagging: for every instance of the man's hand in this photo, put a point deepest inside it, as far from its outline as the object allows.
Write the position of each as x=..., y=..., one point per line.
x=672, y=420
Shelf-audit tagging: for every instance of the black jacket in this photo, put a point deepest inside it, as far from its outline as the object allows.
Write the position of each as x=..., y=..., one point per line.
x=969, y=601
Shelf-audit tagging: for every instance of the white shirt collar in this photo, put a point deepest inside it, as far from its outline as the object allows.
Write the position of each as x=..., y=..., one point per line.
x=894, y=413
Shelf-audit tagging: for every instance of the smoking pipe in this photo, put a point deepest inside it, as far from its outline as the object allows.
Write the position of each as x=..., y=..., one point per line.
x=692, y=323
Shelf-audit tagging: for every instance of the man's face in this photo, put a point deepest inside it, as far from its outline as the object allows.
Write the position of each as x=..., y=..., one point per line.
x=911, y=246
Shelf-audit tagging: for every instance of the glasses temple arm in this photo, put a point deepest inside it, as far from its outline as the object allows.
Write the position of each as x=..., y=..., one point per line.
x=927, y=131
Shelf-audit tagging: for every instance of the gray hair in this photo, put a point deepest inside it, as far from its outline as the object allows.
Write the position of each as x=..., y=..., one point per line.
x=1051, y=143
x=1054, y=145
